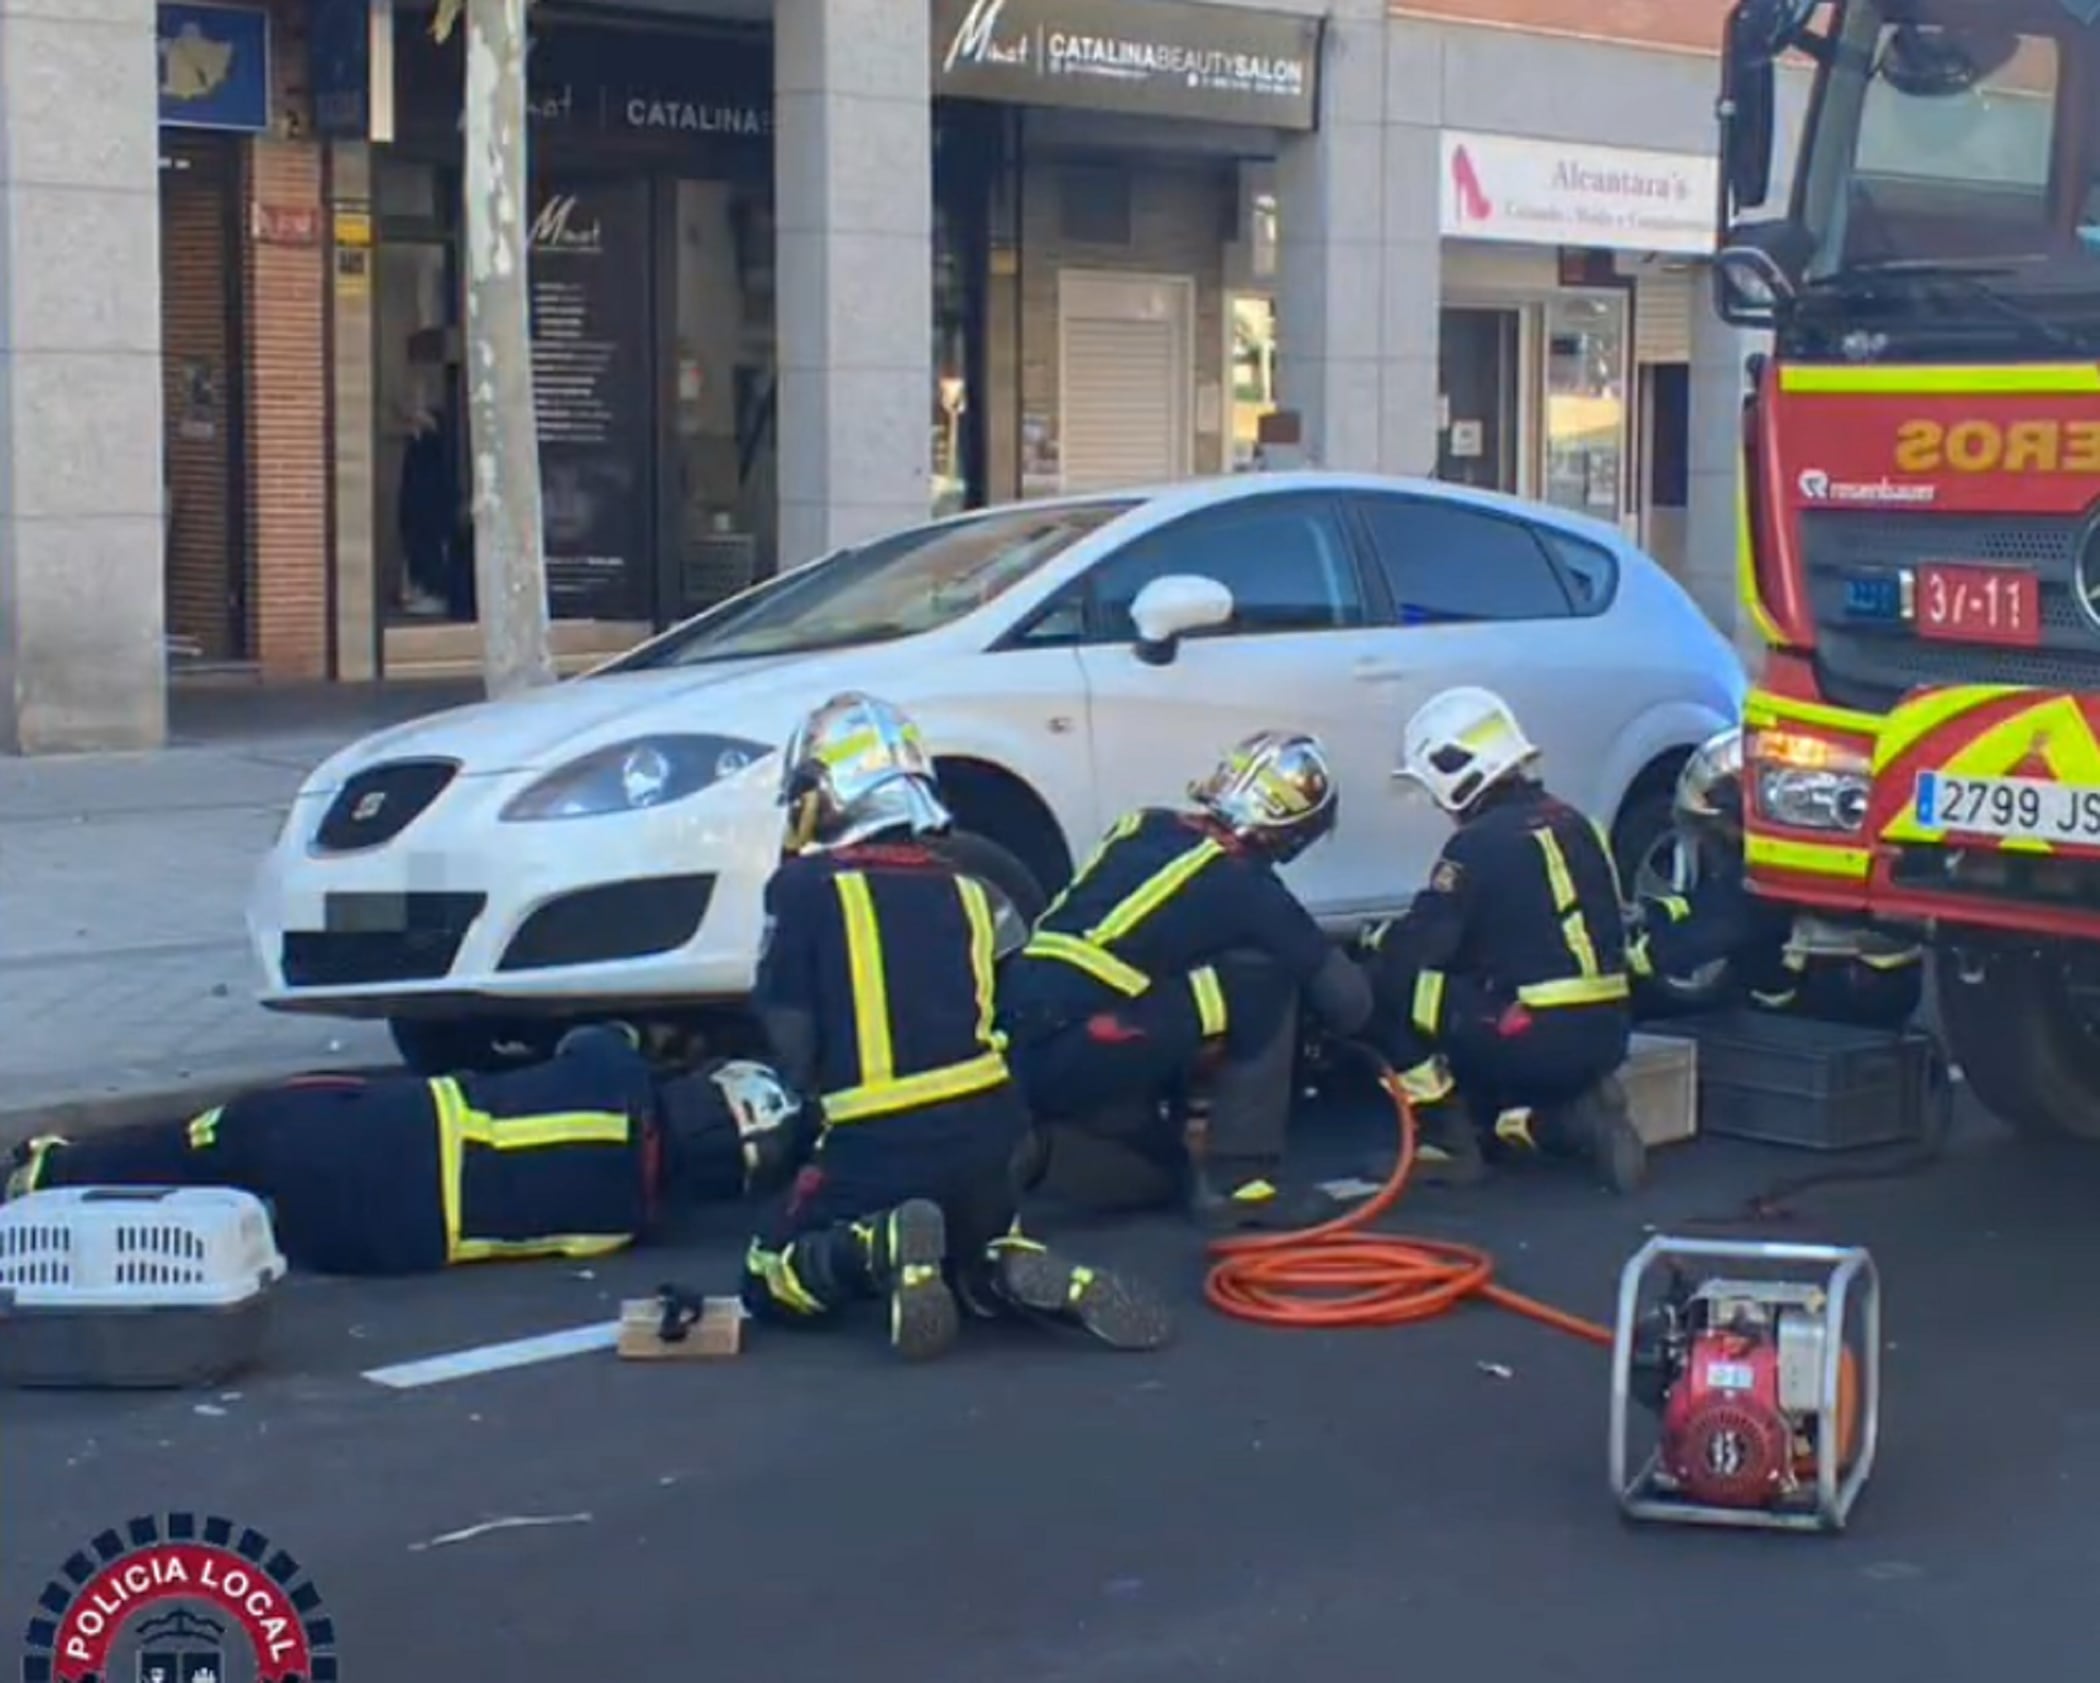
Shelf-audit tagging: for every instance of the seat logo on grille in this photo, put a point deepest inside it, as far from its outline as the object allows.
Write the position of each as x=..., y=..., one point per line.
x=368, y=807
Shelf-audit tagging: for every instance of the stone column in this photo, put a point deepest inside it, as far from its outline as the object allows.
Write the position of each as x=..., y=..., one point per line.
x=82, y=661
x=1359, y=258
x=853, y=179
x=1714, y=463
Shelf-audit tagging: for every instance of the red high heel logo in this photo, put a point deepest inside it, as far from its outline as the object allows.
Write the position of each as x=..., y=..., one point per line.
x=1473, y=202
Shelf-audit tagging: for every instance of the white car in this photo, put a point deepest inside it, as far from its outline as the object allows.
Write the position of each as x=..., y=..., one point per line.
x=600, y=846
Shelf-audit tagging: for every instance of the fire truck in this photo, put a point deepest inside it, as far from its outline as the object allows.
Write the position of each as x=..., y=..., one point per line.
x=1920, y=516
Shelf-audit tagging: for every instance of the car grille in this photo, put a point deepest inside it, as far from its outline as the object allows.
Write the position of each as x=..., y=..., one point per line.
x=374, y=938
x=1871, y=666
x=613, y=921
x=380, y=802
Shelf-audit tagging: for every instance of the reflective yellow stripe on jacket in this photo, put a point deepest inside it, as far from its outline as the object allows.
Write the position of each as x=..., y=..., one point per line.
x=1090, y=952
x=1591, y=985
x=460, y=1125
x=883, y=1092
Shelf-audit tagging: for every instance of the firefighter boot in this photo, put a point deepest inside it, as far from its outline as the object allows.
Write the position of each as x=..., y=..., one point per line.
x=1250, y=1108
x=1599, y=1126
x=905, y=1253
x=1036, y=1281
x=25, y=1165
x=1447, y=1145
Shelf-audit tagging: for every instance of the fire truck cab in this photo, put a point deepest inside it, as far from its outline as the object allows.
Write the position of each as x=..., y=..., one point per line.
x=1920, y=533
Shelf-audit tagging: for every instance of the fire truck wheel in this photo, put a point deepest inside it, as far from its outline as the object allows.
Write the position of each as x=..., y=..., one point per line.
x=2027, y=1043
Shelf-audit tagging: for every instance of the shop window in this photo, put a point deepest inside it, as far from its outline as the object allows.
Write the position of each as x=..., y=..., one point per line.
x=1586, y=403
x=1445, y=562
x=1287, y=563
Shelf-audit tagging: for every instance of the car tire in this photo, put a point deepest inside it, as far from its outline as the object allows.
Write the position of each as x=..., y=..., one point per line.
x=1645, y=826
x=470, y=1045
x=1000, y=870
x=2024, y=1047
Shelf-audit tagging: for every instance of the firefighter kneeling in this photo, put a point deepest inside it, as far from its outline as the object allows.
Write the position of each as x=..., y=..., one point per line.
x=577, y=1156
x=1502, y=993
x=875, y=991
x=1775, y=961
x=1177, y=942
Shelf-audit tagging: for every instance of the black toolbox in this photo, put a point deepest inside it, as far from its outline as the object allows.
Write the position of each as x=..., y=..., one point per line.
x=1820, y=1086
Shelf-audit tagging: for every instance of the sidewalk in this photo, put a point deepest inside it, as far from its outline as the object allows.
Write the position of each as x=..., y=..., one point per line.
x=126, y=983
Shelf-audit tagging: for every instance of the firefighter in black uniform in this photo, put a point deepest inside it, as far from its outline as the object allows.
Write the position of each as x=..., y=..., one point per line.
x=875, y=990
x=1775, y=961
x=1178, y=942
x=1502, y=993
x=575, y=1157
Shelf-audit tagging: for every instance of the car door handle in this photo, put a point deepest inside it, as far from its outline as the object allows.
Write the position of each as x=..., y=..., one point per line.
x=1377, y=671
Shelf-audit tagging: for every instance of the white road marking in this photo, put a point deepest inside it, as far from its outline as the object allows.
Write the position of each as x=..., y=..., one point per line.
x=510, y=1522
x=1353, y=1187
x=494, y=1358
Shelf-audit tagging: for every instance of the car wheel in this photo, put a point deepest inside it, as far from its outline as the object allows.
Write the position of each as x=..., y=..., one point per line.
x=471, y=1045
x=1656, y=859
x=1017, y=898
x=2025, y=1029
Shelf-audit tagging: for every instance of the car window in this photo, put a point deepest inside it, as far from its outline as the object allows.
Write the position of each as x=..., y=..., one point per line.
x=1445, y=562
x=1589, y=570
x=1286, y=560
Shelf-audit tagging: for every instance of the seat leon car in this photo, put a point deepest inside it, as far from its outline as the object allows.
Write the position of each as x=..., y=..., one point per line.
x=599, y=847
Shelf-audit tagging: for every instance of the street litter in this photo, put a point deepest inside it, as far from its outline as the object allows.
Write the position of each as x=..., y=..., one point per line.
x=512, y=1522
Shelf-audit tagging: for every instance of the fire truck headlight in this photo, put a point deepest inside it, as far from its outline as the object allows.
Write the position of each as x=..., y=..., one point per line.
x=1807, y=783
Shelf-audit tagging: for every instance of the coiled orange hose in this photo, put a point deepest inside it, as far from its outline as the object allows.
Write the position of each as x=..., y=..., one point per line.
x=1338, y=1275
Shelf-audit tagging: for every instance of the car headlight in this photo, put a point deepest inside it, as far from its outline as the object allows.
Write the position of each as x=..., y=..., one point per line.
x=636, y=776
x=1807, y=783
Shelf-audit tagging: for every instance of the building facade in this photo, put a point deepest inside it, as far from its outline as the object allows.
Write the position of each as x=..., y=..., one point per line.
x=804, y=270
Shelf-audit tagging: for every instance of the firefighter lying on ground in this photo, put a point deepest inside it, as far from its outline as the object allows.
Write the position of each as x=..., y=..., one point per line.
x=1775, y=961
x=875, y=992
x=576, y=1157
x=1178, y=939
x=1502, y=993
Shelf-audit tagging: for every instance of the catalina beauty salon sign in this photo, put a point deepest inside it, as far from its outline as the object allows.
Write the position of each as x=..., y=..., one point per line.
x=1162, y=58
x=1543, y=192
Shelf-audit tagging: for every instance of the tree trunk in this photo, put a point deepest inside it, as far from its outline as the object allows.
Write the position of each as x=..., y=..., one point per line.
x=510, y=571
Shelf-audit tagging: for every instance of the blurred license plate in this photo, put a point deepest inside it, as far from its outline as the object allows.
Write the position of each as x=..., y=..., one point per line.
x=2014, y=808
x=1873, y=596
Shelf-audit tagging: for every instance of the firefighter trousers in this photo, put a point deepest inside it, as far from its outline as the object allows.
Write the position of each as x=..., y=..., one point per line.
x=1491, y=1056
x=819, y=1249
x=350, y=1168
x=1109, y=1073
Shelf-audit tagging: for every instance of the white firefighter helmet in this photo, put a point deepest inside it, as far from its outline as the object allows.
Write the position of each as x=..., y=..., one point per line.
x=759, y=1101
x=1275, y=791
x=856, y=767
x=1462, y=743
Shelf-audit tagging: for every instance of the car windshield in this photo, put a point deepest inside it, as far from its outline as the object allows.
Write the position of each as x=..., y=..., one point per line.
x=898, y=586
x=1947, y=134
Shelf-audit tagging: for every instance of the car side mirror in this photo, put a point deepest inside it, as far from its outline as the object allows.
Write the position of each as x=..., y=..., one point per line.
x=1168, y=609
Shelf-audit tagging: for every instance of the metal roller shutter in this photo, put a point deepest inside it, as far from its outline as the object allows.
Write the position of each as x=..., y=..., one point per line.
x=1663, y=308
x=1124, y=401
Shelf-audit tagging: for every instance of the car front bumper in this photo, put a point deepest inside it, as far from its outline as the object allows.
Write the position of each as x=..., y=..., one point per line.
x=462, y=912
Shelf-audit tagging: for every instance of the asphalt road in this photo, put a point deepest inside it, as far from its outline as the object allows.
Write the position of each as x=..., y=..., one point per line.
x=1246, y=1505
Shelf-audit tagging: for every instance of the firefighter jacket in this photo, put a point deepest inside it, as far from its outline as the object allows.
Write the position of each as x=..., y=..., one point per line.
x=1165, y=895
x=1762, y=941
x=1524, y=901
x=875, y=984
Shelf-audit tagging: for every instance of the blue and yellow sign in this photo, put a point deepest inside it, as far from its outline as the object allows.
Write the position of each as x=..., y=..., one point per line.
x=215, y=68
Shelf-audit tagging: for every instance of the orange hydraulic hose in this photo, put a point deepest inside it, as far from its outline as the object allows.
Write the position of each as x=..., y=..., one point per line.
x=1338, y=1275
